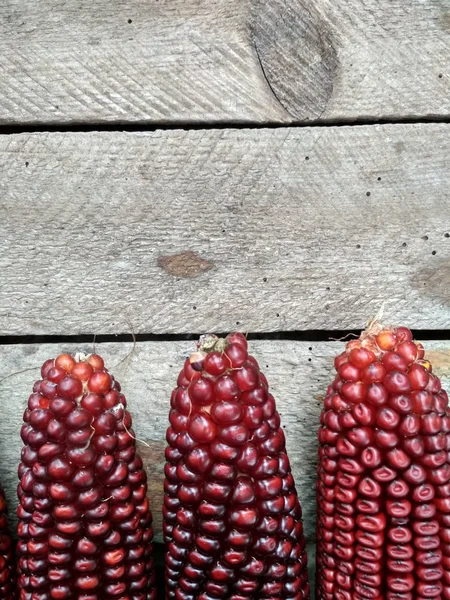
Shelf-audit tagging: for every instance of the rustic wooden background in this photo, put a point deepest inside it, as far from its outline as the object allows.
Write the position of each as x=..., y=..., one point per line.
x=168, y=168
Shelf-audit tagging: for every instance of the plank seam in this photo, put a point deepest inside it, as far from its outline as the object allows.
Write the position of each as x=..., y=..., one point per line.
x=312, y=335
x=142, y=127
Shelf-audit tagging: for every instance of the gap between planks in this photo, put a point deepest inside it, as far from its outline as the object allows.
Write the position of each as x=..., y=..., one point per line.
x=144, y=127
x=317, y=335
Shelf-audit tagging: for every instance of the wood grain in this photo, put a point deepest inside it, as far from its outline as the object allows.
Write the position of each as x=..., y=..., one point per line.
x=190, y=231
x=215, y=61
x=298, y=374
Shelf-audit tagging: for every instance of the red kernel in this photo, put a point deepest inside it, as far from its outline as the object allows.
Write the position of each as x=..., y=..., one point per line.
x=65, y=362
x=100, y=382
x=82, y=370
x=96, y=362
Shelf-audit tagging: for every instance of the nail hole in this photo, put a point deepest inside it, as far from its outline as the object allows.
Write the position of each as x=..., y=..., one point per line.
x=367, y=194
x=194, y=308
x=358, y=245
x=447, y=235
x=278, y=314
x=130, y=21
x=306, y=157
x=434, y=253
x=440, y=75
x=404, y=245
x=265, y=279
x=425, y=237
x=379, y=178
x=27, y=163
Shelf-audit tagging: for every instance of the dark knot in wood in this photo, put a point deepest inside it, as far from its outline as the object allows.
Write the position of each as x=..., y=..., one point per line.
x=295, y=48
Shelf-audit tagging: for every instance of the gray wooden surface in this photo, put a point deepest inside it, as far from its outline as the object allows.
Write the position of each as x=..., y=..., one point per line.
x=189, y=231
x=223, y=60
x=298, y=374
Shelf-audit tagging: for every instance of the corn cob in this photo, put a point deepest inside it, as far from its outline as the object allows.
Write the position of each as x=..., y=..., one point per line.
x=232, y=519
x=84, y=520
x=383, y=490
x=6, y=560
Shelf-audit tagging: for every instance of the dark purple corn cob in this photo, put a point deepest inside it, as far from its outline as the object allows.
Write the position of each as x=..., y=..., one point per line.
x=383, y=491
x=6, y=560
x=232, y=519
x=84, y=520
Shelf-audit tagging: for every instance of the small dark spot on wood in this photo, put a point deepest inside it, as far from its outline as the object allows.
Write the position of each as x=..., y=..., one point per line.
x=27, y=163
x=379, y=178
x=237, y=323
x=425, y=237
x=309, y=359
x=130, y=21
x=326, y=307
x=367, y=194
x=447, y=235
x=310, y=348
x=306, y=157
x=56, y=106
x=267, y=366
x=185, y=264
x=278, y=314
x=265, y=279
x=440, y=75
x=434, y=252
x=358, y=245
x=194, y=308
x=404, y=245
x=328, y=289
x=223, y=230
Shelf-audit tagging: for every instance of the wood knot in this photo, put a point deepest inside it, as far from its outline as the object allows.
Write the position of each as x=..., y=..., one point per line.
x=295, y=49
x=186, y=264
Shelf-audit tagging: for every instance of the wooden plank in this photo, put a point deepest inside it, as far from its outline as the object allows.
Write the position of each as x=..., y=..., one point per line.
x=190, y=231
x=216, y=61
x=298, y=374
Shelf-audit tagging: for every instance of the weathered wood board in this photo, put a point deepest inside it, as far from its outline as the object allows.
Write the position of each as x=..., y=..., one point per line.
x=223, y=61
x=298, y=373
x=190, y=231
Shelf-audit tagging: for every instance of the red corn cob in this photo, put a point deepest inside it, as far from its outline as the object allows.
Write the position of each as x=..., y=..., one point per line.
x=6, y=562
x=84, y=520
x=232, y=519
x=383, y=489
